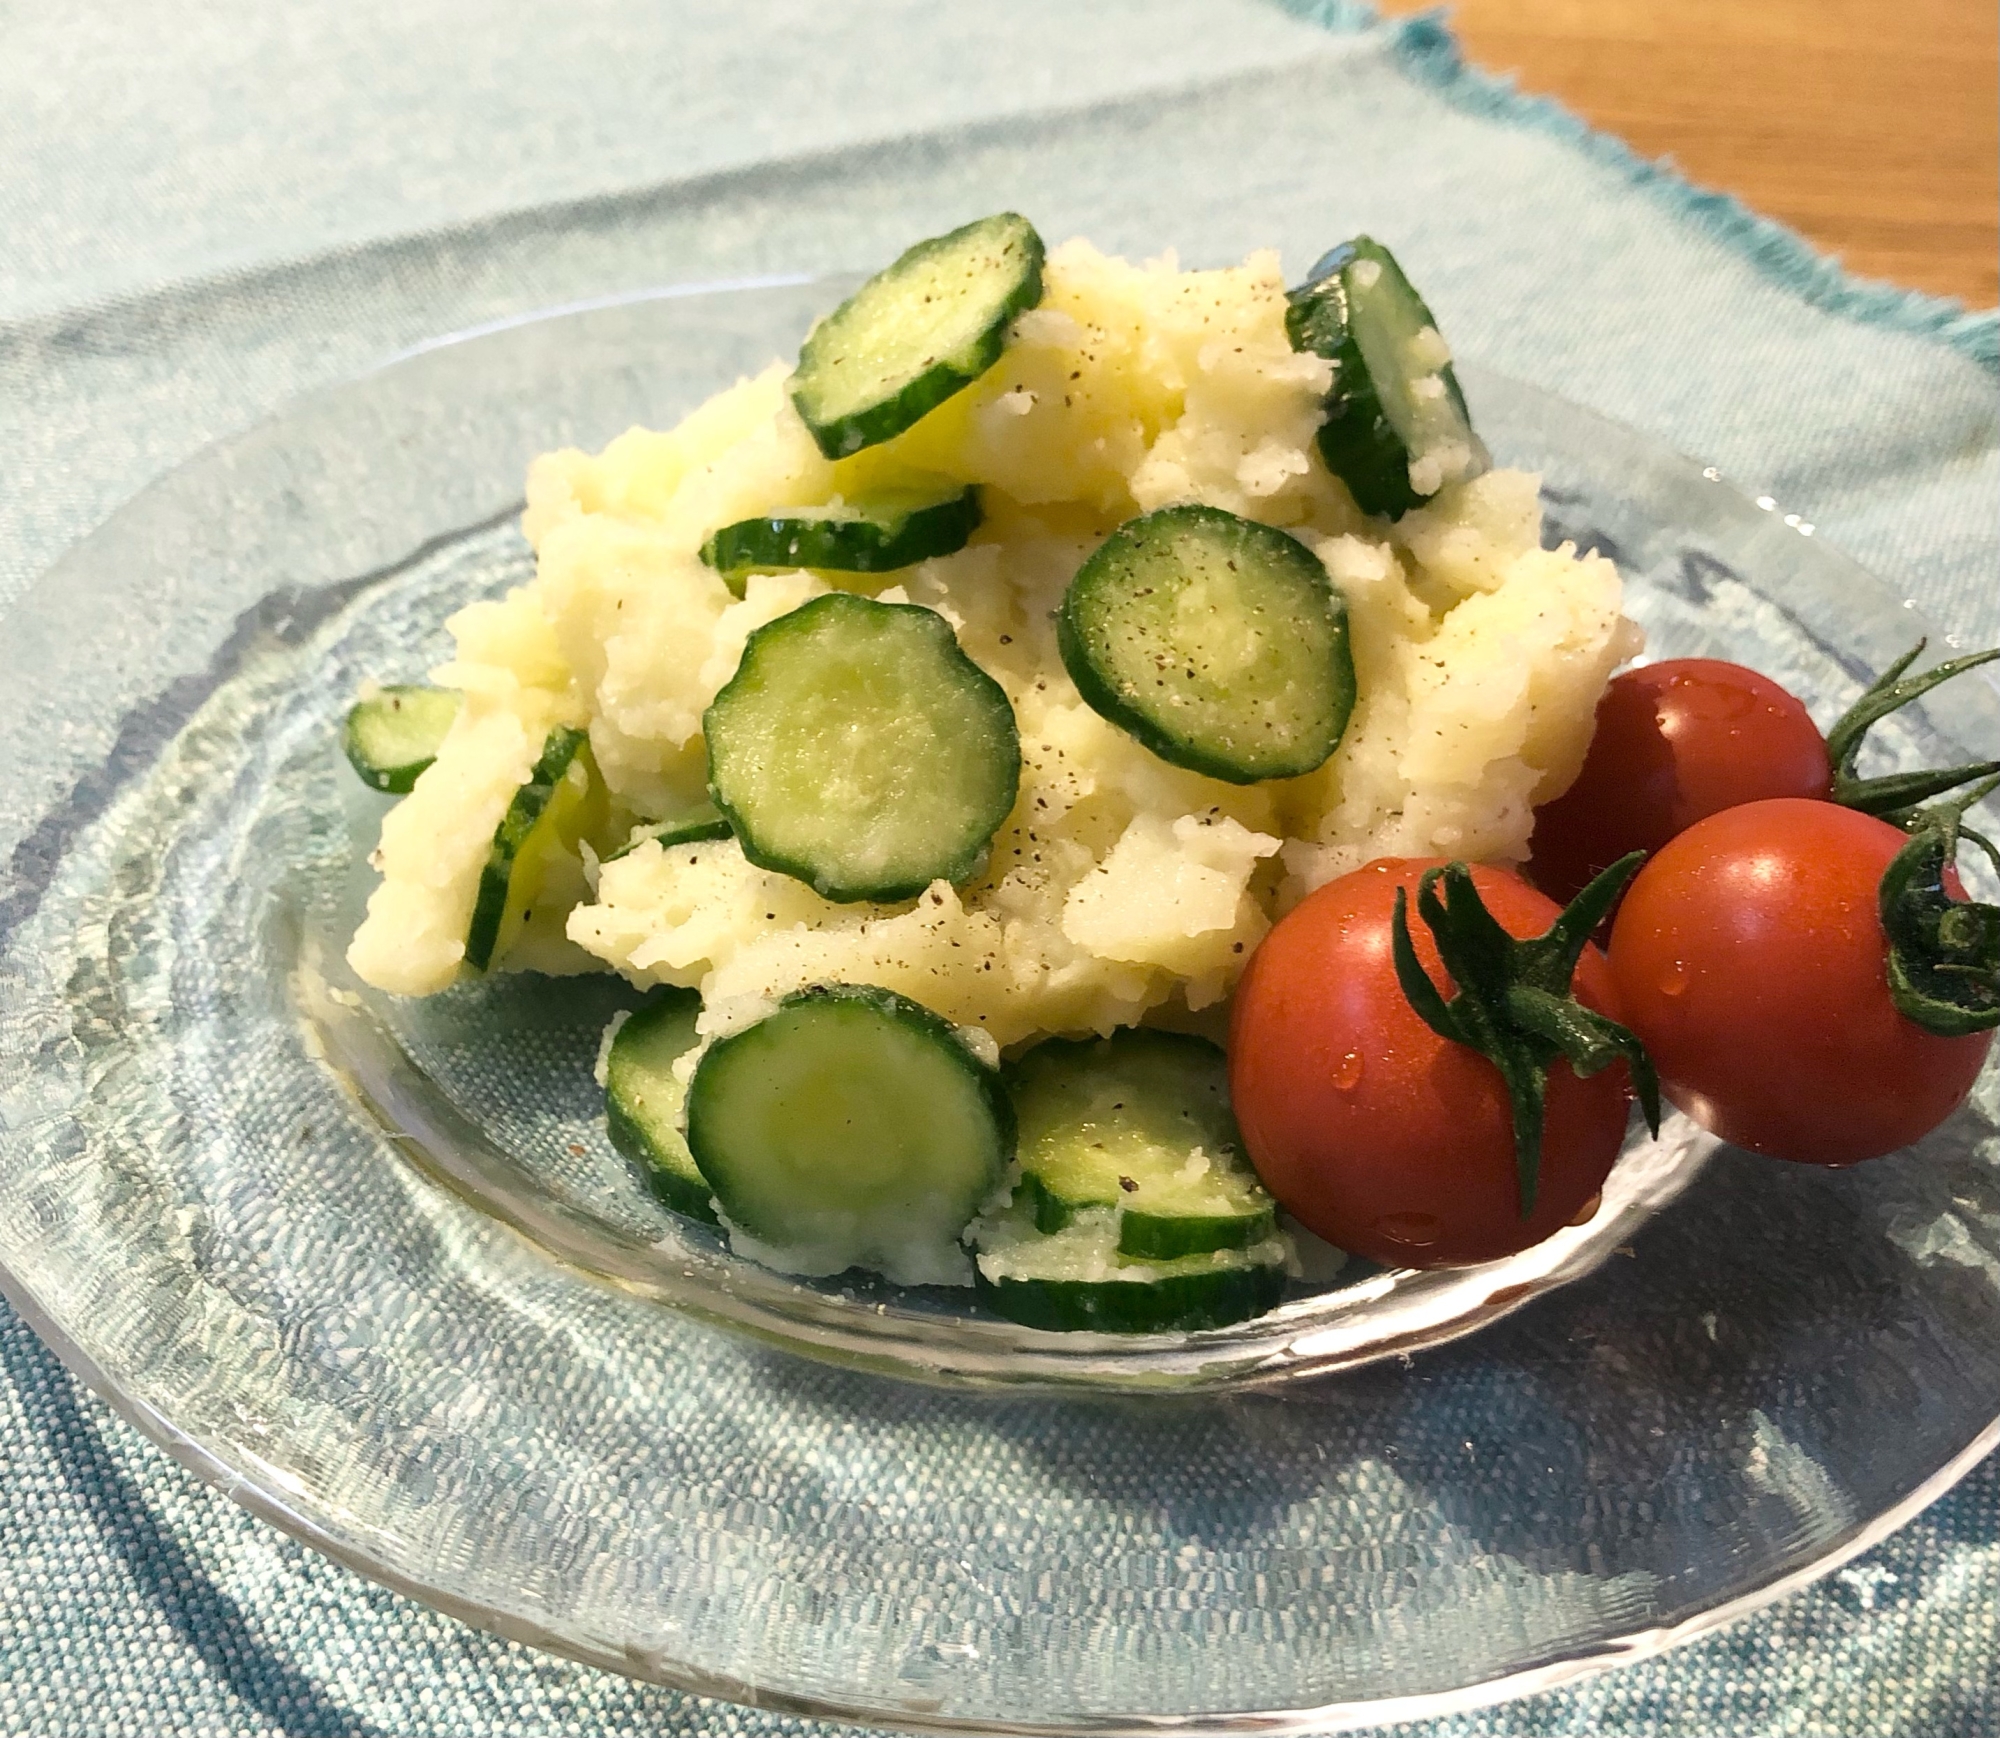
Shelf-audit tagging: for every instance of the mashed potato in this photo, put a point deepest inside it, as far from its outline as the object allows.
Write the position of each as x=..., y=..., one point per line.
x=1119, y=884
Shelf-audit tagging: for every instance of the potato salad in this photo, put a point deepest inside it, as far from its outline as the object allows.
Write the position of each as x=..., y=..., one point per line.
x=978, y=690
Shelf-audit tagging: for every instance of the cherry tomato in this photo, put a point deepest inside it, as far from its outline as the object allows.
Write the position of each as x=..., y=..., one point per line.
x=1750, y=960
x=1375, y=1132
x=1674, y=743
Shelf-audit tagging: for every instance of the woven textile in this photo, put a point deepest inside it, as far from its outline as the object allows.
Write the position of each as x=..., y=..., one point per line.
x=210, y=209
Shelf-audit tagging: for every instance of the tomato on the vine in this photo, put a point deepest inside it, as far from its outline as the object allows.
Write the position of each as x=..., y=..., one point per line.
x=1674, y=742
x=1376, y=1132
x=1751, y=959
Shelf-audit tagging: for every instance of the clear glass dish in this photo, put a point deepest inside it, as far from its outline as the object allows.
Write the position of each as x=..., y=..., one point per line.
x=220, y=1166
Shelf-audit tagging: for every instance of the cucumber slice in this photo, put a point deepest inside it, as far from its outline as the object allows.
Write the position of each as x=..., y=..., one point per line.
x=1218, y=642
x=1396, y=428
x=693, y=826
x=394, y=734
x=642, y=1101
x=850, y=1128
x=913, y=335
x=1076, y=1279
x=1138, y=1123
x=562, y=804
x=885, y=534
x=859, y=749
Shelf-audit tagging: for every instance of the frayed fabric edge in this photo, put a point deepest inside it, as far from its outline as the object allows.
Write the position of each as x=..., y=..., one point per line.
x=1425, y=48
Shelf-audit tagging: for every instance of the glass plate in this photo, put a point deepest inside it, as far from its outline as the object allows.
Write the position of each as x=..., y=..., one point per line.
x=208, y=1204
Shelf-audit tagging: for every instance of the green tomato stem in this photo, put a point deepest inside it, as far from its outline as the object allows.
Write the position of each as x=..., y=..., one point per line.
x=1944, y=953
x=1515, y=1005
x=1896, y=797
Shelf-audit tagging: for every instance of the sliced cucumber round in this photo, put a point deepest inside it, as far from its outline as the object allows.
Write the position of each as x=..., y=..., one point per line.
x=913, y=335
x=394, y=734
x=695, y=825
x=1218, y=642
x=1138, y=1123
x=860, y=750
x=1396, y=428
x=850, y=1128
x=642, y=1101
x=1075, y=1279
x=562, y=804
x=878, y=536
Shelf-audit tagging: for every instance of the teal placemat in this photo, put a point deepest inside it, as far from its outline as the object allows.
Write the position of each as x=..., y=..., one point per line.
x=207, y=210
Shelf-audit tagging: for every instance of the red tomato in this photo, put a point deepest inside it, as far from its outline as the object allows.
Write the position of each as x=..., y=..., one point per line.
x=1376, y=1133
x=1751, y=962
x=1674, y=743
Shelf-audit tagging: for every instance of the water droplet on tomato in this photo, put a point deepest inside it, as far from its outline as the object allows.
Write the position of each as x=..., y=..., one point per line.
x=1410, y=1230
x=1347, y=1072
x=1712, y=700
x=1674, y=979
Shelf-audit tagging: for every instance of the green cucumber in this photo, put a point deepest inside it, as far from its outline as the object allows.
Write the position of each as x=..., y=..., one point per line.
x=562, y=804
x=1075, y=1279
x=642, y=1101
x=1139, y=1123
x=692, y=826
x=1396, y=428
x=1218, y=642
x=393, y=734
x=860, y=750
x=917, y=333
x=850, y=1128
x=880, y=536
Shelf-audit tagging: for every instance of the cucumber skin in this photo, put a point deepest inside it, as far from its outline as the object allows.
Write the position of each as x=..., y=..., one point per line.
x=841, y=437
x=777, y=543
x=1141, y=1235
x=1150, y=1236
x=1103, y=699
x=1159, y=1237
x=397, y=780
x=1357, y=441
x=689, y=1196
x=558, y=753
x=933, y=1025
x=1051, y=1212
x=692, y=1200
x=953, y=870
x=1181, y=1304
x=697, y=829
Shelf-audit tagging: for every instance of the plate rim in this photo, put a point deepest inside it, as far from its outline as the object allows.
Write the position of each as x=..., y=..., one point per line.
x=267, y=1503
x=1572, y=1667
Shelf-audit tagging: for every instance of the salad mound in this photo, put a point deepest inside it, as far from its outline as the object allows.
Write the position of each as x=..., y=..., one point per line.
x=989, y=684
x=1119, y=882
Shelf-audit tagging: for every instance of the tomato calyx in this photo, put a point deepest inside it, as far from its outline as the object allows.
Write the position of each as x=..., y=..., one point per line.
x=1944, y=953
x=1514, y=1003
x=1896, y=797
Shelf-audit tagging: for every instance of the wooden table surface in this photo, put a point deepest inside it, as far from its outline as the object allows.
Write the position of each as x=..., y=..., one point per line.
x=1871, y=126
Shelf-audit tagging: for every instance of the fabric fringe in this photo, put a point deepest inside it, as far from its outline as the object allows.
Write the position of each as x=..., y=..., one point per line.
x=1425, y=47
